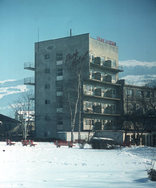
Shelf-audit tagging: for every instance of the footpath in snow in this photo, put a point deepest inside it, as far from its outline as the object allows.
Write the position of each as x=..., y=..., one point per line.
x=45, y=166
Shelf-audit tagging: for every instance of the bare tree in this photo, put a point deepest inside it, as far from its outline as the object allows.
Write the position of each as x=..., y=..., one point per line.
x=74, y=65
x=140, y=117
x=22, y=108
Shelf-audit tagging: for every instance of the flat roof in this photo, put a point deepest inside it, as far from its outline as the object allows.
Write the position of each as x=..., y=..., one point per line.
x=64, y=37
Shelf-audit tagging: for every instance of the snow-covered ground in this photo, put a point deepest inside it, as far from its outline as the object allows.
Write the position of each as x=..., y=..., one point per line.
x=45, y=166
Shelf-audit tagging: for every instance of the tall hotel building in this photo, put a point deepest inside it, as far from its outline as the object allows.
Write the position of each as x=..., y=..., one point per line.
x=76, y=85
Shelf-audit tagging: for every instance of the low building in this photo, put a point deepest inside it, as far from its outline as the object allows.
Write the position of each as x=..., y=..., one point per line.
x=9, y=128
x=125, y=138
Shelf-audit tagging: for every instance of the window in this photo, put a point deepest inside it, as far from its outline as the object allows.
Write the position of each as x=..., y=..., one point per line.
x=102, y=60
x=87, y=124
x=147, y=94
x=59, y=120
x=47, y=86
x=47, y=117
x=59, y=78
x=108, y=124
x=97, y=91
x=59, y=93
x=59, y=62
x=129, y=92
x=113, y=93
x=47, y=101
x=47, y=70
x=113, y=78
x=46, y=56
x=50, y=47
x=59, y=109
x=59, y=86
x=97, y=60
x=109, y=108
x=96, y=76
x=59, y=104
x=107, y=92
x=87, y=106
x=93, y=58
x=59, y=71
x=139, y=93
x=88, y=89
x=59, y=56
x=107, y=63
x=107, y=78
x=90, y=58
x=114, y=63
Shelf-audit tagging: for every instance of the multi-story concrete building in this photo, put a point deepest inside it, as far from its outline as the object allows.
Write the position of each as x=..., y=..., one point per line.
x=77, y=89
x=136, y=98
x=76, y=85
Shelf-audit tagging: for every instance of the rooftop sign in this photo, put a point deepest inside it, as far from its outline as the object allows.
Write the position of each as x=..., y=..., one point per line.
x=106, y=41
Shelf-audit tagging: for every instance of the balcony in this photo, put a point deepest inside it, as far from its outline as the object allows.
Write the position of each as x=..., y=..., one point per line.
x=29, y=66
x=97, y=92
x=97, y=61
x=91, y=113
x=97, y=109
x=93, y=80
x=106, y=66
x=29, y=81
x=100, y=111
x=96, y=76
x=107, y=63
x=99, y=98
x=107, y=78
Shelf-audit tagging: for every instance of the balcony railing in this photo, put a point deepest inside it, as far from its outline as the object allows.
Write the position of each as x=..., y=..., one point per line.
x=29, y=81
x=99, y=110
x=29, y=66
x=107, y=66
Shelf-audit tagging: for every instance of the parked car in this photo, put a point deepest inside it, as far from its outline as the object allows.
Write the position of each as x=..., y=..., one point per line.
x=103, y=143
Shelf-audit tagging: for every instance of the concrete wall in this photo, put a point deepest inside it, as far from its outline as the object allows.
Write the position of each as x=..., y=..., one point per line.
x=45, y=73
x=108, y=52
x=132, y=99
x=67, y=136
x=100, y=49
x=76, y=51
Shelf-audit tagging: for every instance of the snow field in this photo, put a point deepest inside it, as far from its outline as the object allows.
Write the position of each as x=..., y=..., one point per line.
x=45, y=166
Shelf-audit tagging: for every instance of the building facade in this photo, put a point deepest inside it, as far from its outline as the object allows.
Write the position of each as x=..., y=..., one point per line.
x=76, y=85
x=137, y=98
x=138, y=115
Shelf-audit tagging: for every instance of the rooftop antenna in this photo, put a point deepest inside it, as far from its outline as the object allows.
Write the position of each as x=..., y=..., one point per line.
x=38, y=33
x=70, y=32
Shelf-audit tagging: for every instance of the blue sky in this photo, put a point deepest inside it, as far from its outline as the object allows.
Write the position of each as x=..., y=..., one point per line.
x=130, y=23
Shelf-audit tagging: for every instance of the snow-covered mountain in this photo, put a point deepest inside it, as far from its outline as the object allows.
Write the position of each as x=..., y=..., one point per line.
x=138, y=72
x=10, y=91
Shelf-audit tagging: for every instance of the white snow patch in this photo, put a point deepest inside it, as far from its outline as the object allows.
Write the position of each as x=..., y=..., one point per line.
x=45, y=166
x=133, y=63
x=9, y=80
x=12, y=90
x=139, y=80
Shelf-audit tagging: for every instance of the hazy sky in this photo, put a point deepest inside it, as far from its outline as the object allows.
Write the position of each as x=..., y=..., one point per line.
x=130, y=23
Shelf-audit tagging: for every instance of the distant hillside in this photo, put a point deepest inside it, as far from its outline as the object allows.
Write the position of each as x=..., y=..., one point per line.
x=137, y=72
x=11, y=91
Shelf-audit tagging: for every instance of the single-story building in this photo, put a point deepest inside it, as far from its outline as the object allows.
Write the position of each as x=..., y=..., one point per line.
x=9, y=127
